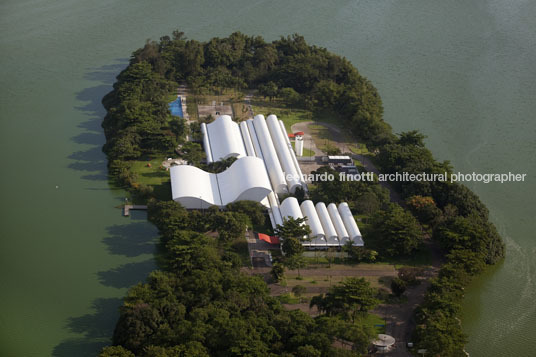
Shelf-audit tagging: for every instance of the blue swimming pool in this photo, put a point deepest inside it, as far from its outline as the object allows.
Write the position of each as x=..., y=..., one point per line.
x=176, y=108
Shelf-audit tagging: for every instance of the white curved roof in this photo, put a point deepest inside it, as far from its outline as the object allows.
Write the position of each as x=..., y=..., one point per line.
x=338, y=223
x=309, y=211
x=293, y=154
x=250, y=151
x=270, y=156
x=206, y=142
x=193, y=187
x=245, y=179
x=349, y=223
x=254, y=140
x=283, y=154
x=329, y=229
x=225, y=138
x=290, y=208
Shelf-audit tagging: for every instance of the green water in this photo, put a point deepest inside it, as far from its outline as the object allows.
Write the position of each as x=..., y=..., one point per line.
x=461, y=71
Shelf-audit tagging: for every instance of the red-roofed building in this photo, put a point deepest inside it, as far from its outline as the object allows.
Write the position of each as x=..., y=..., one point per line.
x=268, y=239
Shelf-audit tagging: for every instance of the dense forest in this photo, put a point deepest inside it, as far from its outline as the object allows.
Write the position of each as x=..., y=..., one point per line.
x=198, y=303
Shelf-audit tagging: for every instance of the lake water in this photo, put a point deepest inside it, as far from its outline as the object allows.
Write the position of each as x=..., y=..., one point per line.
x=460, y=71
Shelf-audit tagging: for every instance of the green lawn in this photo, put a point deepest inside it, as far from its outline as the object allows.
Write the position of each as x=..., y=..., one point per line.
x=306, y=152
x=153, y=176
x=289, y=116
x=375, y=321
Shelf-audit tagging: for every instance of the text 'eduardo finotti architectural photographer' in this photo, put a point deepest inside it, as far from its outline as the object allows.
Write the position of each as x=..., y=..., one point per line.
x=411, y=177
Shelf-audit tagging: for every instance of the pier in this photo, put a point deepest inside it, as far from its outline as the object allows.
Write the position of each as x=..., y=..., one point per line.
x=127, y=208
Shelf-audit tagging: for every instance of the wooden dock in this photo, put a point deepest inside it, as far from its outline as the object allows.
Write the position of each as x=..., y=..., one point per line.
x=127, y=208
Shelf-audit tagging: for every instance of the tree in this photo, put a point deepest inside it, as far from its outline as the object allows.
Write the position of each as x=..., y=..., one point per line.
x=295, y=262
x=269, y=90
x=398, y=286
x=347, y=299
x=254, y=210
x=299, y=290
x=277, y=272
x=115, y=351
x=367, y=203
x=359, y=254
x=229, y=225
x=395, y=232
x=192, y=152
x=424, y=208
x=292, y=247
x=293, y=228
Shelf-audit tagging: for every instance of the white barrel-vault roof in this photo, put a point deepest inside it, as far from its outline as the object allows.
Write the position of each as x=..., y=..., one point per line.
x=349, y=223
x=270, y=156
x=317, y=232
x=283, y=154
x=338, y=223
x=225, y=138
x=329, y=229
x=194, y=188
x=245, y=179
x=290, y=208
x=254, y=140
x=293, y=154
x=250, y=151
x=206, y=142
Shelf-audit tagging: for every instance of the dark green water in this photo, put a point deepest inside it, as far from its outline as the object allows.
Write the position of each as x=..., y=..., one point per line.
x=462, y=72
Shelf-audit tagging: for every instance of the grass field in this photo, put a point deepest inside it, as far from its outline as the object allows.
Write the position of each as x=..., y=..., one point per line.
x=306, y=152
x=153, y=176
x=289, y=116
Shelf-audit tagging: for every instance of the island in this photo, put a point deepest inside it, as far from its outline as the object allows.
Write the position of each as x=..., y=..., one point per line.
x=255, y=263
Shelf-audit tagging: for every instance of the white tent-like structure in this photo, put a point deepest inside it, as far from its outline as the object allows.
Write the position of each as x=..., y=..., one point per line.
x=266, y=167
x=290, y=208
x=349, y=223
x=332, y=239
x=317, y=232
x=273, y=165
x=285, y=158
x=194, y=188
x=225, y=139
x=329, y=227
x=338, y=224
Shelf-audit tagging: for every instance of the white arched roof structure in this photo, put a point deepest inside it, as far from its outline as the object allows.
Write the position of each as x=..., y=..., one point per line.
x=349, y=223
x=194, y=188
x=250, y=150
x=254, y=140
x=338, y=223
x=280, y=144
x=206, y=142
x=329, y=229
x=225, y=139
x=246, y=179
x=269, y=154
x=317, y=232
x=290, y=208
x=293, y=154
